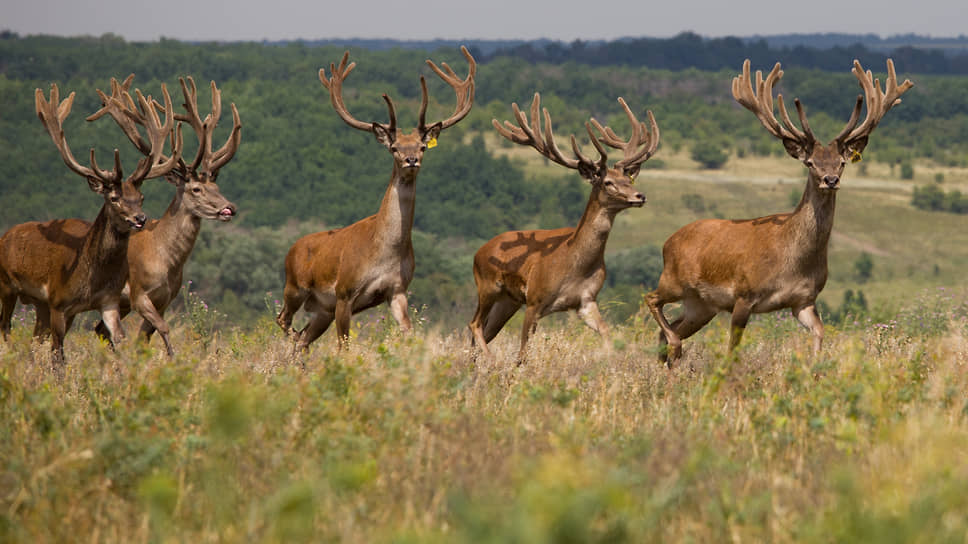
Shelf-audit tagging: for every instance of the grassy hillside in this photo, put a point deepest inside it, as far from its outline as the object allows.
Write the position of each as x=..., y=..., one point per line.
x=413, y=440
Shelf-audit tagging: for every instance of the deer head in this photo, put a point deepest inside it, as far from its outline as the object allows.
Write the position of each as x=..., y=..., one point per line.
x=407, y=149
x=825, y=163
x=122, y=196
x=196, y=182
x=613, y=185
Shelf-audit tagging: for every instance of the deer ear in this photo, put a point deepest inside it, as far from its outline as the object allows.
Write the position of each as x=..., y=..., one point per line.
x=383, y=135
x=431, y=133
x=854, y=147
x=589, y=172
x=795, y=149
x=632, y=171
x=176, y=178
x=97, y=186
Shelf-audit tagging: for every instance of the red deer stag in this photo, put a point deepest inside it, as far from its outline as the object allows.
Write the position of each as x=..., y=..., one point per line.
x=157, y=254
x=563, y=269
x=340, y=272
x=68, y=266
x=773, y=262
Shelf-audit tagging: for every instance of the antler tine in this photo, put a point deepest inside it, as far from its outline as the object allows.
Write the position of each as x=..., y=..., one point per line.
x=530, y=133
x=803, y=135
x=335, y=87
x=649, y=143
x=852, y=122
x=760, y=102
x=463, y=88
x=52, y=114
x=878, y=102
x=227, y=151
x=156, y=164
x=107, y=174
x=551, y=147
x=121, y=108
x=603, y=155
x=424, y=100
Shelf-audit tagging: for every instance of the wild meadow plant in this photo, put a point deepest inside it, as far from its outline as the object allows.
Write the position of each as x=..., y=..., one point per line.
x=416, y=438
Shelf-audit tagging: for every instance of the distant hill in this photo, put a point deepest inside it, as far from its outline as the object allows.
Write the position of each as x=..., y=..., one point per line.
x=828, y=40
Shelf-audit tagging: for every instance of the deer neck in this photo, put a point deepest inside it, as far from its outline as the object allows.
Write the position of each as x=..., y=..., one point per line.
x=587, y=243
x=176, y=231
x=813, y=220
x=106, y=245
x=395, y=218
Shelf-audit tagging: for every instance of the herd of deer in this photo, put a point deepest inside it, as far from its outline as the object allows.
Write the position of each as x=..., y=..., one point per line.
x=122, y=262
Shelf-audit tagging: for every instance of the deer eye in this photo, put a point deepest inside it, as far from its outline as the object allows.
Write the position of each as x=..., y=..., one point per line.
x=115, y=199
x=609, y=183
x=393, y=149
x=808, y=162
x=423, y=148
x=196, y=190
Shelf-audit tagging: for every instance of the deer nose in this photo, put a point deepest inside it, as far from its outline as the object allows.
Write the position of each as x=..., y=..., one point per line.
x=139, y=220
x=639, y=196
x=412, y=161
x=831, y=181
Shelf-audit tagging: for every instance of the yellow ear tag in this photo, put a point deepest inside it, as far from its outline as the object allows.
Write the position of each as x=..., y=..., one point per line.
x=855, y=156
x=432, y=143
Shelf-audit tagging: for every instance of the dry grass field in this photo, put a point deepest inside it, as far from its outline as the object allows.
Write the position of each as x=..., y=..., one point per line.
x=414, y=439
x=411, y=439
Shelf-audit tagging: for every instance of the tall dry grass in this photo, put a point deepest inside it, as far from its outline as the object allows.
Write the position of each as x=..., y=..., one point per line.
x=411, y=439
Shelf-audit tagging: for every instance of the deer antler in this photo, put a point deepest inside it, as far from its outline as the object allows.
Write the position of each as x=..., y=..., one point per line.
x=334, y=85
x=205, y=158
x=121, y=107
x=641, y=135
x=878, y=102
x=463, y=88
x=760, y=103
x=530, y=134
x=52, y=114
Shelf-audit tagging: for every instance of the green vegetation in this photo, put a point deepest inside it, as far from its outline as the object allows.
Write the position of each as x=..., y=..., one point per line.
x=933, y=198
x=409, y=439
x=300, y=169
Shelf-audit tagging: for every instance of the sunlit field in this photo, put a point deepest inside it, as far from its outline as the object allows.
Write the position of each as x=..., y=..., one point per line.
x=411, y=439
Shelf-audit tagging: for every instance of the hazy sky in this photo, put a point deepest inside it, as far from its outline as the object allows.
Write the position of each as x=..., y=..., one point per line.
x=490, y=19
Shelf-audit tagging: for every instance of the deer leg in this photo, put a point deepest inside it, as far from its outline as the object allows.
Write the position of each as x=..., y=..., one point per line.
x=42, y=323
x=343, y=315
x=112, y=319
x=398, y=309
x=7, y=302
x=152, y=321
x=58, y=328
x=530, y=324
x=481, y=319
x=102, y=330
x=666, y=335
x=809, y=318
x=738, y=321
x=498, y=316
x=695, y=316
x=313, y=330
x=593, y=318
x=292, y=299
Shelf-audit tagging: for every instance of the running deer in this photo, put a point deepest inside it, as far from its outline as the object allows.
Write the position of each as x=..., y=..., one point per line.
x=774, y=262
x=563, y=269
x=337, y=273
x=68, y=266
x=157, y=253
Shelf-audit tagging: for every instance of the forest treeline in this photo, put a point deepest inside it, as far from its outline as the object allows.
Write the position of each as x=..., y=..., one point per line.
x=300, y=168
